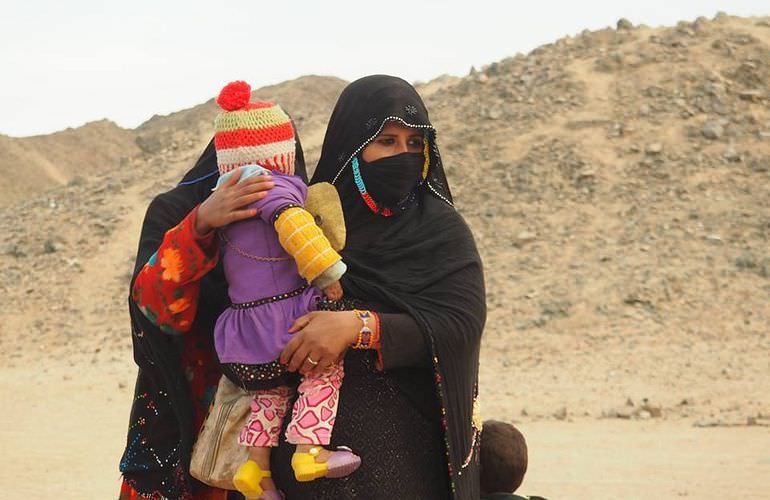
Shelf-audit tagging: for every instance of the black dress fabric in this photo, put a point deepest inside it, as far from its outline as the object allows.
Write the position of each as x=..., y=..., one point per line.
x=423, y=262
x=400, y=444
x=397, y=434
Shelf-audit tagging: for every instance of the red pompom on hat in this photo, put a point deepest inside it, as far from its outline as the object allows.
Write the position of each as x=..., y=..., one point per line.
x=252, y=133
x=234, y=96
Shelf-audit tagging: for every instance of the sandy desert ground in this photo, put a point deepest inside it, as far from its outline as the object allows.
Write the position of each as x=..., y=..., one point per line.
x=69, y=426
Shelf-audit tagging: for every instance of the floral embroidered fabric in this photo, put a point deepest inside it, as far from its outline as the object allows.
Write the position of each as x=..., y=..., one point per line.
x=166, y=289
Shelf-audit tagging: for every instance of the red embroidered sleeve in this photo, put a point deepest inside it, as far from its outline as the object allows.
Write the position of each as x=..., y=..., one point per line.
x=166, y=289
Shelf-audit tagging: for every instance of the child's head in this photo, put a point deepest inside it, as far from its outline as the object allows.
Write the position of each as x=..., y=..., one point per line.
x=252, y=133
x=503, y=457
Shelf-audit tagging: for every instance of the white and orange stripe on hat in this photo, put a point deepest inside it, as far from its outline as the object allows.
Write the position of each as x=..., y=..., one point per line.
x=248, y=133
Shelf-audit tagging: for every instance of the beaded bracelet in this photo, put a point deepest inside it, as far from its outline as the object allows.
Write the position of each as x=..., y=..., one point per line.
x=367, y=338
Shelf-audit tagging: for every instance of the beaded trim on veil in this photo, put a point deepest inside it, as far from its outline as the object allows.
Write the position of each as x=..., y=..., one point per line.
x=428, y=182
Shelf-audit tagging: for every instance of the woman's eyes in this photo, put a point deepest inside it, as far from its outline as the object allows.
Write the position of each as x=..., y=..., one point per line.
x=414, y=143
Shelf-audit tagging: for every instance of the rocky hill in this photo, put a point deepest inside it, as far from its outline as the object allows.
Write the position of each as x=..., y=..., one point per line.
x=617, y=184
x=40, y=163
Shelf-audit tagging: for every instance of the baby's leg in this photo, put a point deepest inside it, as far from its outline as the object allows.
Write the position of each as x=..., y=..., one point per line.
x=262, y=431
x=316, y=408
x=311, y=427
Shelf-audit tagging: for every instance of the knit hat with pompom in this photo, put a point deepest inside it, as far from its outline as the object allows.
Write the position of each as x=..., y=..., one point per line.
x=248, y=133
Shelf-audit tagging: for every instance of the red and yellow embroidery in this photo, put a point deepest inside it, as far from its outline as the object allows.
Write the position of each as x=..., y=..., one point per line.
x=166, y=290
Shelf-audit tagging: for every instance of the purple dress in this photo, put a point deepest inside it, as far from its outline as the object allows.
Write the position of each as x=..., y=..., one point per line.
x=256, y=268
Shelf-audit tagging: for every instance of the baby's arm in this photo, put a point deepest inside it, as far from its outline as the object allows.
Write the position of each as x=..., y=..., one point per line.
x=333, y=291
x=317, y=261
x=300, y=236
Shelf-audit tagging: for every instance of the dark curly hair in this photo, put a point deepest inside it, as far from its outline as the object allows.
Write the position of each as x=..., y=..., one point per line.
x=503, y=457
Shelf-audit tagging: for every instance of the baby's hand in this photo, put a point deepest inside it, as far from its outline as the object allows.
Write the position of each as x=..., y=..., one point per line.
x=333, y=291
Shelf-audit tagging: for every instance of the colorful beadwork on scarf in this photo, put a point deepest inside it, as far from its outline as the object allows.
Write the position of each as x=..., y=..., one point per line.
x=426, y=154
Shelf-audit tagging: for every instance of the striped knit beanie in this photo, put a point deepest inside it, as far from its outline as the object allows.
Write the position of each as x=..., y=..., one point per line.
x=248, y=133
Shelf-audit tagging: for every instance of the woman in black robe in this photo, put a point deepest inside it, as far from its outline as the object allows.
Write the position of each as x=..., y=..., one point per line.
x=415, y=263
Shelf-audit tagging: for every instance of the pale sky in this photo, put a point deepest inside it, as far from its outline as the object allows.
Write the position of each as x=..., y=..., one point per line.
x=65, y=63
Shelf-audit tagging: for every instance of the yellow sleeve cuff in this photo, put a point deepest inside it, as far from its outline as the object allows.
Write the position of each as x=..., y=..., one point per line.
x=305, y=242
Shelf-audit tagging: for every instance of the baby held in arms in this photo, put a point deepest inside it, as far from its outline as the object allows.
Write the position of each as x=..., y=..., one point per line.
x=278, y=265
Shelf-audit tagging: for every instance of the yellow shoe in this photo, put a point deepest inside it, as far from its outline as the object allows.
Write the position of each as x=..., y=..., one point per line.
x=247, y=479
x=340, y=463
x=306, y=468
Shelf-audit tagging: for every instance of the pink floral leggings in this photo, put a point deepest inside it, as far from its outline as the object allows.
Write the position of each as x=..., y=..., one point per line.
x=312, y=418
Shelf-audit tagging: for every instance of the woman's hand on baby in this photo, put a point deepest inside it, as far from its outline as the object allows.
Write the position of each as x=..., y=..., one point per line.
x=333, y=291
x=227, y=204
x=323, y=336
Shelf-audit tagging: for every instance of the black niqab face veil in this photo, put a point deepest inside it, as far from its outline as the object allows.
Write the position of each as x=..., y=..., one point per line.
x=423, y=262
x=362, y=110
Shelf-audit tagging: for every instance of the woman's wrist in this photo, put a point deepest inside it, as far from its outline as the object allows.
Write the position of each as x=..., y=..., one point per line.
x=368, y=334
x=202, y=228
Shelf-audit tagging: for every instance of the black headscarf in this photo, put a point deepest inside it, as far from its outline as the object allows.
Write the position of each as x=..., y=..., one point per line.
x=422, y=262
x=168, y=427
